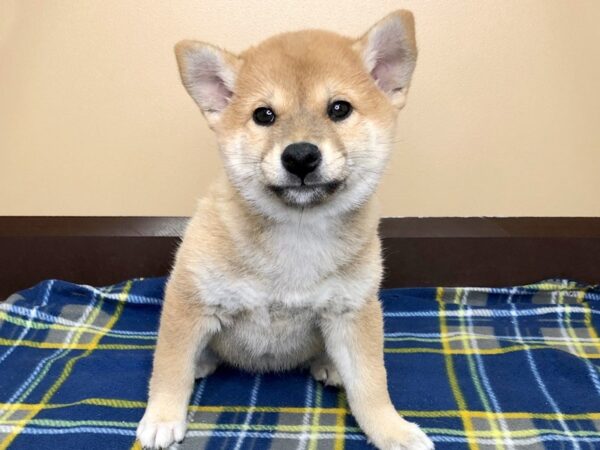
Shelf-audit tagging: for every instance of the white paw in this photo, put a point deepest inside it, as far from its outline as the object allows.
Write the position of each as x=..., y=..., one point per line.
x=410, y=438
x=159, y=434
x=326, y=373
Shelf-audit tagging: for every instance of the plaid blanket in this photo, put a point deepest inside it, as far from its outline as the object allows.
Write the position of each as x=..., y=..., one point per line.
x=476, y=368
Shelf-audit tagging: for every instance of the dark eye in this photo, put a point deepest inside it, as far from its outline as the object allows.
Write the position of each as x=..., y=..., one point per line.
x=264, y=116
x=339, y=110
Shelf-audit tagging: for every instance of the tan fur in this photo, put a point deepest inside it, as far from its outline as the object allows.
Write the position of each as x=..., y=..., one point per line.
x=267, y=285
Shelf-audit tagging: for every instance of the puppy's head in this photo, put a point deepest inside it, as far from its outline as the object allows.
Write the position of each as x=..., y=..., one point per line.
x=305, y=120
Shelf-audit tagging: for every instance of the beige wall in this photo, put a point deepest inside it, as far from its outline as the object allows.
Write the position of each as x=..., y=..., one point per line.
x=503, y=118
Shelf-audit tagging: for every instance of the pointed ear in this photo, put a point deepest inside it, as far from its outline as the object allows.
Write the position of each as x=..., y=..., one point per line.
x=389, y=52
x=208, y=74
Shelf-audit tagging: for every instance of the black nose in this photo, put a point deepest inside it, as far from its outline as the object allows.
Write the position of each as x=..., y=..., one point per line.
x=301, y=158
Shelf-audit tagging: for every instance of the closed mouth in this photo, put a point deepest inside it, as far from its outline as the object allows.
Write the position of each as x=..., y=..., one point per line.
x=305, y=194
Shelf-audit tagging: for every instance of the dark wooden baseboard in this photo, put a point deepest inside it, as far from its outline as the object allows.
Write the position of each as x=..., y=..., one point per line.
x=418, y=251
x=477, y=251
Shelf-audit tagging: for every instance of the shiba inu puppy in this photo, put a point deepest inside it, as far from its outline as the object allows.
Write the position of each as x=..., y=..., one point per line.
x=280, y=266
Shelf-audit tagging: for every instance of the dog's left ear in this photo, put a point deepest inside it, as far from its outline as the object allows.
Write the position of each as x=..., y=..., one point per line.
x=389, y=52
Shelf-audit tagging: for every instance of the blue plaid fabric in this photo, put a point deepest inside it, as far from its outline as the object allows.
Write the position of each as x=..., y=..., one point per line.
x=476, y=368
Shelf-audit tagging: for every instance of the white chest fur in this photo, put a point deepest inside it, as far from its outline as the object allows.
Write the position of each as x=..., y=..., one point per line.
x=294, y=266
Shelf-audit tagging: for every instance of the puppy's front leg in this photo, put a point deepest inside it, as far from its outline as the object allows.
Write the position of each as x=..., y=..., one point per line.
x=354, y=342
x=184, y=328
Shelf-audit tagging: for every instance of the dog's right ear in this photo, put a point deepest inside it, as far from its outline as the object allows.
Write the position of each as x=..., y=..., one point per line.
x=208, y=74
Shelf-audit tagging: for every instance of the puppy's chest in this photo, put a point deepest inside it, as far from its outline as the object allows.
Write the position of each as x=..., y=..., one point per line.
x=291, y=256
x=289, y=271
